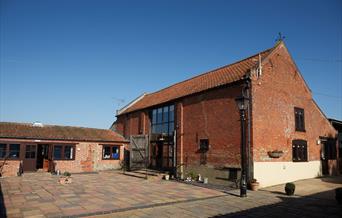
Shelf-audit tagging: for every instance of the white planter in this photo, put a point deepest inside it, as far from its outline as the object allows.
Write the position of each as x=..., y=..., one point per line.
x=167, y=177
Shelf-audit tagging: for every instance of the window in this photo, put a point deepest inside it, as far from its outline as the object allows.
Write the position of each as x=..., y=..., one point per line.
x=204, y=145
x=14, y=151
x=299, y=151
x=30, y=152
x=68, y=152
x=64, y=152
x=111, y=152
x=299, y=119
x=163, y=120
x=3, y=150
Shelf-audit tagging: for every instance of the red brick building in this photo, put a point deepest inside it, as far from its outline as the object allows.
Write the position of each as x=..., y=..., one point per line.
x=194, y=125
x=50, y=148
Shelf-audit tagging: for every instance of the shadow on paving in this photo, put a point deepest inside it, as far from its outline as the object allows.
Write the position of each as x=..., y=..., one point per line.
x=2, y=204
x=294, y=206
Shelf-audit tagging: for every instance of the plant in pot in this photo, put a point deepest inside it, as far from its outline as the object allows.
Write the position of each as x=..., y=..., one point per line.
x=338, y=195
x=254, y=184
x=290, y=188
x=167, y=176
x=66, y=178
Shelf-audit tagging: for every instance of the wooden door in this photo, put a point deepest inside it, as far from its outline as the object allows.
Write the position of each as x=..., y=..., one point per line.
x=30, y=158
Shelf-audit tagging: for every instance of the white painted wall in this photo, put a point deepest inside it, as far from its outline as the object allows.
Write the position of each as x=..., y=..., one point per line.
x=274, y=173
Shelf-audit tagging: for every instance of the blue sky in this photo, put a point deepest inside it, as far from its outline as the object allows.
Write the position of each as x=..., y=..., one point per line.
x=70, y=62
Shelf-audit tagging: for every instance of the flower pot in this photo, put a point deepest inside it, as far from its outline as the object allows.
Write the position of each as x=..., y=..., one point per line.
x=275, y=154
x=65, y=180
x=254, y=186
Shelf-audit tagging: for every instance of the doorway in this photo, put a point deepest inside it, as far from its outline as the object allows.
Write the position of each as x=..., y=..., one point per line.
x=159, y=155
x=29, y=162
x=42, y=156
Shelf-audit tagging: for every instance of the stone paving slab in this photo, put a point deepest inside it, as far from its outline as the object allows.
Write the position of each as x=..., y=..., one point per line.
x=314, y=199
x=39, y=194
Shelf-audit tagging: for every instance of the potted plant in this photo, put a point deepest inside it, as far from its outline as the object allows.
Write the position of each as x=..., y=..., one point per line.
x=338, y=195
x=254, y=184
x=66, y=178
x=167, y=176
x=290, y=188
x=275, y=154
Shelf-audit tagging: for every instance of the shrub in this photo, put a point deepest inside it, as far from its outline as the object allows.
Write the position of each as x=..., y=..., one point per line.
x=338, y=195
x=192, y=175
x=290, y=188
x=66, y=173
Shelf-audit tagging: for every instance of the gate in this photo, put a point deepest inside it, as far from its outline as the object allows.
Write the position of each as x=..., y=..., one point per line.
x=138, y=152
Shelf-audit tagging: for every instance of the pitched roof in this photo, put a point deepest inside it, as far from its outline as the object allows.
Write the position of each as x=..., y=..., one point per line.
x=212, y=79
x=53, y=132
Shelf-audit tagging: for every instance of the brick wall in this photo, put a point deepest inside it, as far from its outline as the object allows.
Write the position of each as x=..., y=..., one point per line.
x=11, y=168
x=275, y=94
x=88, y=158
x=211, y=115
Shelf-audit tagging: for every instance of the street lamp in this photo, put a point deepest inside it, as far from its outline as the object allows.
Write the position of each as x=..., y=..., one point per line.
x=242, y=103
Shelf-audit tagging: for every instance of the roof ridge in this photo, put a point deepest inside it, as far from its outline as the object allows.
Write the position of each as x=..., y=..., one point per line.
x=53, y=125
x=211, y=71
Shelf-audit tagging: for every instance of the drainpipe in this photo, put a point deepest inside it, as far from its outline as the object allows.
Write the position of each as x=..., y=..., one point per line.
x=181, y=142
x=248, y=91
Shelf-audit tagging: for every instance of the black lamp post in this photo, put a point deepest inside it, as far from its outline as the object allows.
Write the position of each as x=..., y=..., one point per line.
x=242, y=103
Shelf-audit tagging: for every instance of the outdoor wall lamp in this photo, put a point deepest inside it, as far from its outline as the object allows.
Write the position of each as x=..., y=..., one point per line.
x=242, y=103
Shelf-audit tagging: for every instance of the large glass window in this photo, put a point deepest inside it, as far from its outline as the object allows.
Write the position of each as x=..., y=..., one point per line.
x=163, y=120
x=14, y=151
x=3, y=150
x=111, y=152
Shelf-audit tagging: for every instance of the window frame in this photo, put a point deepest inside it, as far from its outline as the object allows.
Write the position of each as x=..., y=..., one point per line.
x=163, y=124
x=30, y=151
x=111, y=149
x=297, y=153
x=299, y=114
x=63, y=152
x=7, y=150
x=4, y=150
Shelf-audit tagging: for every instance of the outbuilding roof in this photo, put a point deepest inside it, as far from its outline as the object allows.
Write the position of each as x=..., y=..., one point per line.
x=54, y=132
x=212, y=79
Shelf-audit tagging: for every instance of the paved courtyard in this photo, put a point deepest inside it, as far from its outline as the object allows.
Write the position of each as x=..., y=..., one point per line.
x=111, y=194
x=39, y=194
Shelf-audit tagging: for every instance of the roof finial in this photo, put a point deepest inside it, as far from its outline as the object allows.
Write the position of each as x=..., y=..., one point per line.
x=280, y=38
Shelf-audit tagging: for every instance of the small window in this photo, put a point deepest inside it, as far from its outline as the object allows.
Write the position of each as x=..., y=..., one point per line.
x=299, y=119
x=57, y=152
x=14, y=151
x=68, y=152
x=64, y=152
x=204, y=145
x=3, y=150
x=30, y=152
x=111, y=152
x=299, y=151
